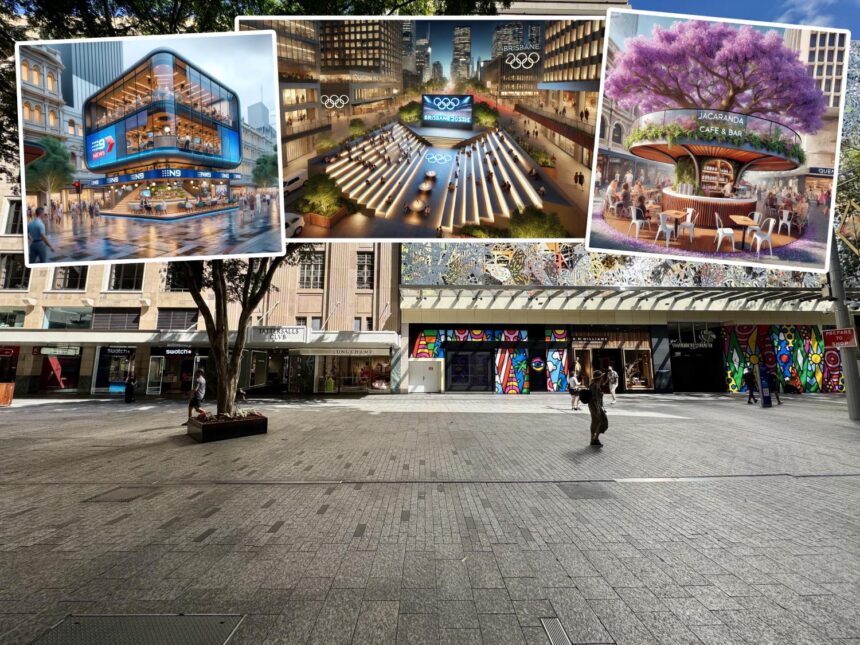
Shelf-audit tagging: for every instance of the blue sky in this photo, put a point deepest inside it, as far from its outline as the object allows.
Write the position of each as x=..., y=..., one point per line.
x=830, y=13
x=646, y=24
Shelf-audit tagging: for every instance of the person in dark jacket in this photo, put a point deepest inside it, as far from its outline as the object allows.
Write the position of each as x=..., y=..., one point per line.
x=749, y=381
x=773, y=383
x=130, y=383
x=599, y=420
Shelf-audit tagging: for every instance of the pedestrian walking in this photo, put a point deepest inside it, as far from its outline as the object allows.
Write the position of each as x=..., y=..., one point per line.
x=612, y=381
x=773, y=384
x=39, y=242
x=586, y=114
x=749, y=381
x=130, y=383
x=573, y=386
x=594, y=394
x=198, y=391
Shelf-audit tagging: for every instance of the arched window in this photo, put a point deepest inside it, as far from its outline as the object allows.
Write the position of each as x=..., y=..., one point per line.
x=25, y=70
x=50, y=81
x=52, y=119
x=27, y=114
x=71, y=126
x=37, y=76
x=602, y=128
x=37, y=113
x=74, y=158
x=617, y=133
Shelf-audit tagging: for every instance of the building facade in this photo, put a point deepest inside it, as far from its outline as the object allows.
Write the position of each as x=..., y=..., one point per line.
x=362, y=60
x=423, y=51
x=506, y=37
x=461, y=61
x=303, y=119
x=329, y=324
x=518, y=318
x=256, y=142
x=565, y=107
x=561, y=7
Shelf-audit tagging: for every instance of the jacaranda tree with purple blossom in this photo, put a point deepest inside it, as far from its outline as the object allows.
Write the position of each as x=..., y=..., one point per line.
x=710, y=65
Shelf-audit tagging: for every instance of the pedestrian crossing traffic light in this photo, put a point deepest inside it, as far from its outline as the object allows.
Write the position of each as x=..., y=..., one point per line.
x=78, y=187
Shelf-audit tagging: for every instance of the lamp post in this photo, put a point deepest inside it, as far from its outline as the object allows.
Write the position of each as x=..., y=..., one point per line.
x=843, y=321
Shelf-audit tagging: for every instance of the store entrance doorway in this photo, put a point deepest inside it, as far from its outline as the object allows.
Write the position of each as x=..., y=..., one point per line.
x=601, y=359
x=469, y=371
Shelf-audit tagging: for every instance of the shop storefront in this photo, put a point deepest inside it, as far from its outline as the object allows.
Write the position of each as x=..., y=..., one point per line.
x=345, y=370
x=60, y=367
x=697, y=356
x=9, y=362
x=113, y=365
x=171, y=369
x=627, y=351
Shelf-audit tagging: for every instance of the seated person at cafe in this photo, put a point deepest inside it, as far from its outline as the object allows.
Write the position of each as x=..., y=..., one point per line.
x=728, y=189
x=640, y=211
x=626, y=199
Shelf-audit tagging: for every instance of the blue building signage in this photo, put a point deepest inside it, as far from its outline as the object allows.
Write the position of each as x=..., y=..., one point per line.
x=166, y=173
x=101, y=147
x=447, y=109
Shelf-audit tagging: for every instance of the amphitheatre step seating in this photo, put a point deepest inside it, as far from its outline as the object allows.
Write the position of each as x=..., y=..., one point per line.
x=383, y=171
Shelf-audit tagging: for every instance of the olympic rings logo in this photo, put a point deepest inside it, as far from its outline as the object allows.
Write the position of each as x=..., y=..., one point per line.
x=432, y=157
x=522, y=60
x=446, y=103
x=333, y=101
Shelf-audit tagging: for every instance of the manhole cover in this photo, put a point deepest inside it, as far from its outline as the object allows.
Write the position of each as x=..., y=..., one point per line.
x=585, y=491
x=122, y=494
x=142, y=630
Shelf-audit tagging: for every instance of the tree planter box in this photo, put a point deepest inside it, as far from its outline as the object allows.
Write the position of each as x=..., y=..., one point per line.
x=326, y=222
x=204, y=431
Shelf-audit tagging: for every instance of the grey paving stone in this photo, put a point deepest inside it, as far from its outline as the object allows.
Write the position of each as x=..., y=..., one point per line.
x=418, y=601
x=311, y=589
x=417, y=629
x=623, y=625
x=460, y=637
x=354, y=570
x=502, y=629
x=717, y=635
x=483, y=571
x=383, y=589
x=691, y=612
x=337, y=618
x=535, y=636
x=457, y=614
x=296, y=623
x=419, y=570
x=641, y=599
x=577, y=617
x=377, y=623
x=525, y=589
x=666, y=628
x=529, y=612
x=493, y=601
x=452, y=581
x=595, y=587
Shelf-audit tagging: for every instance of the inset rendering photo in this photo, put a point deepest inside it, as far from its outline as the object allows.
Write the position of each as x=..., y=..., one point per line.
x=463, y=128
x=718, y=140
x=150, y=148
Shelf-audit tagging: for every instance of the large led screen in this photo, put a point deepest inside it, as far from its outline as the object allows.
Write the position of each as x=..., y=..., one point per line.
x=451, y=110
x=101, y=147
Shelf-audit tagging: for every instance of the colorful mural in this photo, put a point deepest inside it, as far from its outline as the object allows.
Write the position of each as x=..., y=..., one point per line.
x=470, y=335
x=556, y=370
x=512, y=335
x=555, y=335
x=568, y=264
x=429, y=344
x=796, y=352
x=512, y=371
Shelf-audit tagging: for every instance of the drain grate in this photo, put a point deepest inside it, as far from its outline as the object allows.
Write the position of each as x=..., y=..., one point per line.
x=123, y=494
x=206, y=629
x=555, y=632
x=584, y=490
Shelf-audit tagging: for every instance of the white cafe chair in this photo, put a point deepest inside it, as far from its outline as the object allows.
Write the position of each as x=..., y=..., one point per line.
x=665, y=228
x=689, y=223
x=638, y=221
x=756, y=217
x=784, y=220
x=724, y=232
x=764, y=235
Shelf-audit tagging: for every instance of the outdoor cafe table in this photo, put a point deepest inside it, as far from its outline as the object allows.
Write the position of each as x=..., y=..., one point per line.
x=425, y=186
x=746, y=222
x=417, y=205
x=675, y=216
x=430, y=174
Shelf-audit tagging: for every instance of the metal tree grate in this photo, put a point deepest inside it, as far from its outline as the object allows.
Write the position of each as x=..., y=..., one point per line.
x=196, y=629
x=555, y=632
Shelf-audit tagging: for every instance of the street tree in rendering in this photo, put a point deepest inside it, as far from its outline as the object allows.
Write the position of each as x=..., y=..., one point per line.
x=215, y=285
x=51, y=172
x=710, y=65
x=265, y=172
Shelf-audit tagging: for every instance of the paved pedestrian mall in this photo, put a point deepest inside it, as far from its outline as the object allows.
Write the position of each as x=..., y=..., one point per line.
x=440, y=519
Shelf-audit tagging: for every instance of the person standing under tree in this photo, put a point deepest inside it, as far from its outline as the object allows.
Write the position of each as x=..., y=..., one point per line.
x=599, y=420
x=198, y=391
x=612, y=380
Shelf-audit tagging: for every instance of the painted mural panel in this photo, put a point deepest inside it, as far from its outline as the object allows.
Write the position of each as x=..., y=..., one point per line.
x=512, y=370
x=429, y=344
x=568, y=264
x=470, y=335
x=796, y=352
x=512, y=335
x=556, y=370
x=556, y=335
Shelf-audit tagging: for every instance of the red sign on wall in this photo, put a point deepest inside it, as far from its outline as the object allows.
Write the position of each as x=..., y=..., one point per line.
x=9, y=350
x=840, y=338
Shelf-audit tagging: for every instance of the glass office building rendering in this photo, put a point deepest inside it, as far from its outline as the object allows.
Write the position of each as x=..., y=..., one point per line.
x=164, y=132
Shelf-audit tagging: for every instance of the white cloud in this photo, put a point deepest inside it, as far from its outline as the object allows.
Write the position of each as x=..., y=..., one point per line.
x=819, y=13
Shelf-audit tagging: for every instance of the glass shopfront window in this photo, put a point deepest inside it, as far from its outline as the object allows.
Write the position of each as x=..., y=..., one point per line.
x=638, y=373
x=113, y=366
x=353, y=374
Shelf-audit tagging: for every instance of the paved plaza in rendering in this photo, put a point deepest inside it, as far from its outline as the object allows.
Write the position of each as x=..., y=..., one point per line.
x=231, y=232
x=440, y=519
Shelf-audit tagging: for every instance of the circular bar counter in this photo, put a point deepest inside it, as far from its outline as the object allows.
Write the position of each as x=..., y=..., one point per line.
x=707, y=207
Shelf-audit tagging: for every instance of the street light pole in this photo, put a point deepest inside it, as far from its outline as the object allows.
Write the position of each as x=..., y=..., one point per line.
x=843, y=321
